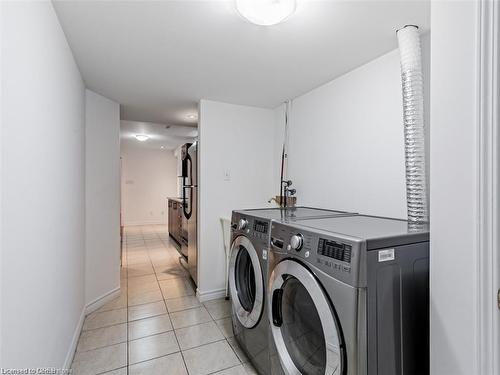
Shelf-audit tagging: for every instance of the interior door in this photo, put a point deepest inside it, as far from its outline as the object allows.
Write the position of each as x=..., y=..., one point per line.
x=246, y=282
x=303, y=323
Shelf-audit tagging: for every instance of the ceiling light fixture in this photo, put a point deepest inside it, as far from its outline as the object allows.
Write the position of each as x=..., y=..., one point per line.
x=141, y=137
x=191, y=117
x=162, y=147
x=266, y=12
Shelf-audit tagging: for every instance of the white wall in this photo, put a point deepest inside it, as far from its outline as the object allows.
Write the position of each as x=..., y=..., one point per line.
x=149, y=176
x=240, y=140
x=43, y=103
x=346, y=147
x=454, y=196
x=102, y=196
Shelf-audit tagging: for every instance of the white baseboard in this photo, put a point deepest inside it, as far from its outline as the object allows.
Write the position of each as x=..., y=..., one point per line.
x=74, y=342
x=102, y=300
x=87, y=309
x=211, y=294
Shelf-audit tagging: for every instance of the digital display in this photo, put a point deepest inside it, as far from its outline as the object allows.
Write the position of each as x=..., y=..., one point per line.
x=260, y=226
x=335, y=250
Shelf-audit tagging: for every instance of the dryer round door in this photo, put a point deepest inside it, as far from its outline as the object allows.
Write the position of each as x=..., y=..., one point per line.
x=303, y=324
x=246, y=282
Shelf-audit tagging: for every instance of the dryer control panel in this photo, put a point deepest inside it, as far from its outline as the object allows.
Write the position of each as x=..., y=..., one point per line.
x=336, y=250
x=338, y=257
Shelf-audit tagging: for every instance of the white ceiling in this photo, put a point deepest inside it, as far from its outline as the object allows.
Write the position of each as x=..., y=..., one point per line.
x=158, y=58
x=160, y=135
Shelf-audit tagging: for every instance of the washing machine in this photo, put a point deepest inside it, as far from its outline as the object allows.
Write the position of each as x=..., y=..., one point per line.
x=349, y=296
x=248, y=275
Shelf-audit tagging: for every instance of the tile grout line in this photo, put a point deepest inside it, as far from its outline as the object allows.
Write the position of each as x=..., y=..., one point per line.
x=154, y=358
x=108, y=325
x=101, y=347
x=227, y=368
x=107, y=372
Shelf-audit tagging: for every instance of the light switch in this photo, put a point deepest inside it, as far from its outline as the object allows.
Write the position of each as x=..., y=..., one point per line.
x=227, y=175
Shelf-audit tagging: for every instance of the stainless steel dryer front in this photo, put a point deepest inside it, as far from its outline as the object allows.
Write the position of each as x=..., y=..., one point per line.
x=349, y=296
x=248, y=275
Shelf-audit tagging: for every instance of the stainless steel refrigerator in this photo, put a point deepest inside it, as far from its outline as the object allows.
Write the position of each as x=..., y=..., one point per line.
x=189, y=249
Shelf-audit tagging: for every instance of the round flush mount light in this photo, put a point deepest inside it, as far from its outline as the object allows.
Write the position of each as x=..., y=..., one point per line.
x=266, y=12
x=191, y=117
x=141, y=137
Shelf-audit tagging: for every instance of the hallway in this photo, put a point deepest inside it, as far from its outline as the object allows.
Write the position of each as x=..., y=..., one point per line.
x=157, y=325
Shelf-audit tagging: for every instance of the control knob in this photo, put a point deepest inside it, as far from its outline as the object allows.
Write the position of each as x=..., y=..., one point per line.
x=296, y=241
x=242, y=224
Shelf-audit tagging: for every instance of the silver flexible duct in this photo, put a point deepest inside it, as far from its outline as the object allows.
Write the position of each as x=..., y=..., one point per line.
x=413, y=118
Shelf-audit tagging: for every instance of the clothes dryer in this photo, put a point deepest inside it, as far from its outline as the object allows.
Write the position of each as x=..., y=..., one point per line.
x=349, y=296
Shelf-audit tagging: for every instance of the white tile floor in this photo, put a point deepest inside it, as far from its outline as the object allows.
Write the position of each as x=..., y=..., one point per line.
x=157, y=325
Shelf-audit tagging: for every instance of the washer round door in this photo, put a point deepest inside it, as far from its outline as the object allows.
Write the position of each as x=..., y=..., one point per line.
x=246, y=282
x=303, y=324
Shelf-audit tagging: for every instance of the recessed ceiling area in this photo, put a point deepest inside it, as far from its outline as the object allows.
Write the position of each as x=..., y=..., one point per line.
x=159, y=58
x=161, y=136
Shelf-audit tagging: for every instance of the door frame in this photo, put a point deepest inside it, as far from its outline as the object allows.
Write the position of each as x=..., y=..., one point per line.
x=488, y=185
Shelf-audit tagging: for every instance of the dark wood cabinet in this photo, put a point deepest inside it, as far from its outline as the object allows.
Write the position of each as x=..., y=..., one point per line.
x=169, y=215
x=175, y=220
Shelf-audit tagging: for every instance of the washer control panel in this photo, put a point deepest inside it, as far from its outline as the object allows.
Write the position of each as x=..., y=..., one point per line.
x=335, y=256
x=251, y=227
x=261, y=226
